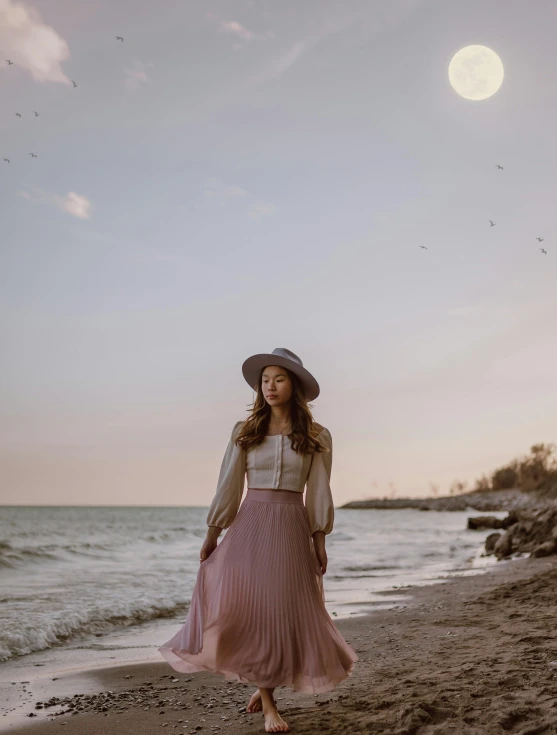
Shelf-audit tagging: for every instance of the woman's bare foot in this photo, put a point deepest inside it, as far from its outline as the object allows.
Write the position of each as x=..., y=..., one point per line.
x=273, y=720
x=255, y=702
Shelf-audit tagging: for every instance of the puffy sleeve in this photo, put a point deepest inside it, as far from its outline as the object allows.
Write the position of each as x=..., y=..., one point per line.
x=319, y=499
x=230, y=485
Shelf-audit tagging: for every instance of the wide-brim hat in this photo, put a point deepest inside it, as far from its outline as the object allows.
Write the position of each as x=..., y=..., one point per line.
x=285, y=358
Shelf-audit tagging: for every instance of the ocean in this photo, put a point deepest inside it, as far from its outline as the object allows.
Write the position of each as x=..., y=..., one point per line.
x=97, y=578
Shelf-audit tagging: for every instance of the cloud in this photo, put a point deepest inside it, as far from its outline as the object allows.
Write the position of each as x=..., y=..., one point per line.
x=39, y=196
x=287, y=46
x=282, y=63
x=373, y=17
x=136, y=75
x=75, y=204
x=31, y=44
x=231, y=26
x=291, y=56
x=217, y=190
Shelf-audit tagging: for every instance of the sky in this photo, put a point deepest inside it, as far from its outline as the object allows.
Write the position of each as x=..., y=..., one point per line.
x=243, y=175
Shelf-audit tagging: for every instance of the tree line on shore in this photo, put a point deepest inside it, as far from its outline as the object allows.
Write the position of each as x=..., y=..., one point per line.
x=534, y=473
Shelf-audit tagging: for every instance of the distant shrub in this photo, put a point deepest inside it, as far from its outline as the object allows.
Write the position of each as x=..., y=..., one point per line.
x=534, y=473
x=538, y=472
x=505, y=478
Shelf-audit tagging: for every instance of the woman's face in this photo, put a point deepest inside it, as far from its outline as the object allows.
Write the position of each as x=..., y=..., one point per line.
x=276, y=385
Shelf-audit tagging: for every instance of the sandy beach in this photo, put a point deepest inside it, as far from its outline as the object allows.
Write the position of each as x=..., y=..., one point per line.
x=475, y=654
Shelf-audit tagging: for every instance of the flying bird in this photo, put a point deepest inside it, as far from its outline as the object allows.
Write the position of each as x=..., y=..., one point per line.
x=539, y=239
x=7, y=160
x=543, y=251
x=36, y=113
x=33, y=154
x=119, y=38
x=74, y=84
x=492, y=223
x=9, y=62
x=18, y=114
x=501, y=167
x=423, y=246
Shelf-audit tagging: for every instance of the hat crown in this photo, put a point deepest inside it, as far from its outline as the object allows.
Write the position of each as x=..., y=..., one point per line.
x=283, y=352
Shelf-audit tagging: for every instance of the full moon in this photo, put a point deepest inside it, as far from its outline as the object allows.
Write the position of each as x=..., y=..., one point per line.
x=476, y=72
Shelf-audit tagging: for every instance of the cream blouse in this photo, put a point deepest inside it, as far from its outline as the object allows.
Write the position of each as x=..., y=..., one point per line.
x=274, y=465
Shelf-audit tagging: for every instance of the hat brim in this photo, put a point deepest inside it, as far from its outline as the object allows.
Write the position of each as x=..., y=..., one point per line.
x=252, y=366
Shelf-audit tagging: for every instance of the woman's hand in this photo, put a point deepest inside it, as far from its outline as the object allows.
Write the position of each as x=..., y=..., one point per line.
x=210, y=543
x=319, y=546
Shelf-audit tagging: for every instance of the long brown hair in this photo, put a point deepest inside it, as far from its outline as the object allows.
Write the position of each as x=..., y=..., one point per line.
x=304, y=428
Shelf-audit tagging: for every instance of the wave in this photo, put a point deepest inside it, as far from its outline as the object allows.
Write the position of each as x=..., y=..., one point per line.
x=13, y=555
x=170, y=534
x=16, y=556
x=23, y=638
x=158, y=537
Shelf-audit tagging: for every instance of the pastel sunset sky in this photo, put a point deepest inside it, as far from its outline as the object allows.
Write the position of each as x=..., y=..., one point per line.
x=243, y=175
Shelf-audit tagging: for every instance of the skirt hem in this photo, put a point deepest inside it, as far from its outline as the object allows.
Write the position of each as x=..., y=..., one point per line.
x=184, y=667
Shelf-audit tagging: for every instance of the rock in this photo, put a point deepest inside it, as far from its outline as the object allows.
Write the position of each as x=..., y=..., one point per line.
x=485, y=522
x=490, y=542
x=532, y=531
x=503, y=546
x=545, y=549
x=511, y=518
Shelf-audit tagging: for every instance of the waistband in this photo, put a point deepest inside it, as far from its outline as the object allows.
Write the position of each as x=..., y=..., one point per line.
x=275, y=496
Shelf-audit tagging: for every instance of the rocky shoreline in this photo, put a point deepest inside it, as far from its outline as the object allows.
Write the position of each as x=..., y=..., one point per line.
x=529, y=528
x=485, y=501
x=527, y=531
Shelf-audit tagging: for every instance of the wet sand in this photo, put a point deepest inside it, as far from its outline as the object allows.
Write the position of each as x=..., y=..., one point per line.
x=476, y=655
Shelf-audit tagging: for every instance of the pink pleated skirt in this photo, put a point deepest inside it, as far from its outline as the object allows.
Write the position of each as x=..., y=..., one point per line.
x=257, y=613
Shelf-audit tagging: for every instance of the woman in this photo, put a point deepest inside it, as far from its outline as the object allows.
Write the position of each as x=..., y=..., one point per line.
x=257, y=613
